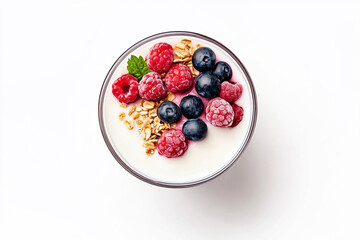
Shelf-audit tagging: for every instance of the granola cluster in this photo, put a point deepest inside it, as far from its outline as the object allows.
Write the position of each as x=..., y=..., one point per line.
x=183, y=54
x=150, y=127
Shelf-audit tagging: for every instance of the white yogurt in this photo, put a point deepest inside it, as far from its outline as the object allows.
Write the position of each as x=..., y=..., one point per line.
x=202, y=159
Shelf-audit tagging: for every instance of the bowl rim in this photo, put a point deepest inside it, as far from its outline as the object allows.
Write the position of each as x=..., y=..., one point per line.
x=138, y=174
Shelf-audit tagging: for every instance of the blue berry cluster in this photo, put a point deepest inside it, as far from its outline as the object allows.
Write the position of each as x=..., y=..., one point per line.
x=191, y=107
x=194, y=128
x=208, y=83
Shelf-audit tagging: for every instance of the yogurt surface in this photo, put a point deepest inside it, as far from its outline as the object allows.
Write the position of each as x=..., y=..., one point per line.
x=202, y=159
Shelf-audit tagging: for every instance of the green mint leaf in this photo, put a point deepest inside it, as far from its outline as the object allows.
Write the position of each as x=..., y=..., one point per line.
x=137, y=66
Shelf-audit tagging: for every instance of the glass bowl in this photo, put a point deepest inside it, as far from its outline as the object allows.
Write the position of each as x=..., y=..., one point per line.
x=202, y=161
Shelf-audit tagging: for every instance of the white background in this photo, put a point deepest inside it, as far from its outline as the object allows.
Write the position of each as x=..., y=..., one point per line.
x=298, y=179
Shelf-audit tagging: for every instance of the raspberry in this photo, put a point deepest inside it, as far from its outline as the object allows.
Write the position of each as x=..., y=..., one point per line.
x=160, y=57
x=172, y=144
x=230, y=92
x=125, y=88
x=179, y=78
x=219, y=113
x=151, y=87
x=238, y=112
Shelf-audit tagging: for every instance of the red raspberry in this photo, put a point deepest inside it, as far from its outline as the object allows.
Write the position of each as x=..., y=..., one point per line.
x=125, y=88
x=219, y=113
x=238, y=112
x=230, y=92
x=179, y=78
x=172, y=144
x=160, y=57
x=151, y=87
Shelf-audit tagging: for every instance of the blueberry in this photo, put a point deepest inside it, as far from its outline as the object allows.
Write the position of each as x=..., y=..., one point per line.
x=207, y=85
x=223, y=71
x=169, y=112
x=195, y=129
x=191, y=106
x=203, y=59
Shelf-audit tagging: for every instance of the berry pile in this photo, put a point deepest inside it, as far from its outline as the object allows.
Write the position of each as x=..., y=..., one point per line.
x=163, y=72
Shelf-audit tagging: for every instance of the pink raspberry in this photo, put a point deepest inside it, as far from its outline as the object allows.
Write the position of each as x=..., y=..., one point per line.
x=238, y=112
x=172, y=144
x=179, y=78
x=160, y=57
x=125, y=88
x=151, y=87
x=219, y=113
x=230, y=92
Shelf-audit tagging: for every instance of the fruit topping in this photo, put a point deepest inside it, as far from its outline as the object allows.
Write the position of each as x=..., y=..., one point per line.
x=207, y=85
x=195, y=129
x=160, y=57
x=223, y=71
x=125, y=88
x=219, y=113
x=203, y=59
x=169, y=112
x=191, y=106
x=151, y=87
x=239, y=113
x=231, y=91
x=179, y=78
x=171, y=72
x=172, y=144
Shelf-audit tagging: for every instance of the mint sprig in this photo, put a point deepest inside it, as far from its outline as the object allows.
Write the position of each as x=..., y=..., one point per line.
x=137, y=66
